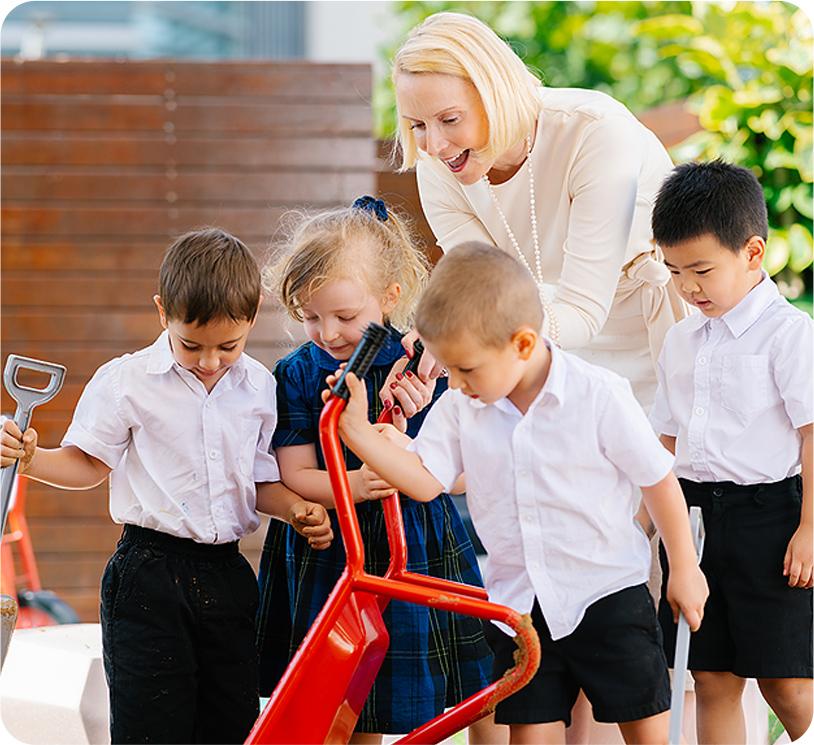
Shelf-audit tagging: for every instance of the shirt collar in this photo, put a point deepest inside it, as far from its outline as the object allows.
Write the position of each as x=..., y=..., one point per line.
x=161, y=361
x=389, y=353
x=554, y=385
x=740, y=318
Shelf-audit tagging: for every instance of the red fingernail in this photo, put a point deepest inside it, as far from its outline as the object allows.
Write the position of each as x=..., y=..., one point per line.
x=399, y=376
x=397, y=410
x=388, y=404
x=409, y=374
x=393, y=386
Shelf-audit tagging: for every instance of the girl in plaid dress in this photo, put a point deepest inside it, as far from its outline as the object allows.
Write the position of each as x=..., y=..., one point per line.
x=343, y=269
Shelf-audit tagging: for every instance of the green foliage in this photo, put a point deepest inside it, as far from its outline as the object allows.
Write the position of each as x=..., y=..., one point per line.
x=745, y=68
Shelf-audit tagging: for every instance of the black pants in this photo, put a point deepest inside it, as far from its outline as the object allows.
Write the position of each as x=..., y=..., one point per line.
x=179, y=640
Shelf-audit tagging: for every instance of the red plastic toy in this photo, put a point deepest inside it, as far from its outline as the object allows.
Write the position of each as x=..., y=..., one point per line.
x=320, y=696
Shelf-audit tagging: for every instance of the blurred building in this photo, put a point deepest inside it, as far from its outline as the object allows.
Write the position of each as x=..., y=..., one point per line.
x=320, y=31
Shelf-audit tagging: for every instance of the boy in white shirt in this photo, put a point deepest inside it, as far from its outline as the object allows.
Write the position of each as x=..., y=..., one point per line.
x=735, y=404
x=183, y=428
x=553, y=449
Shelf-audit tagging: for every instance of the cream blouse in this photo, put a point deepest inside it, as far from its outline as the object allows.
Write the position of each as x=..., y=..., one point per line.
x=597, y=171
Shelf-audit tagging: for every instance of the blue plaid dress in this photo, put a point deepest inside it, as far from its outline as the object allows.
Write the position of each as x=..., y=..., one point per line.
x=436, y=658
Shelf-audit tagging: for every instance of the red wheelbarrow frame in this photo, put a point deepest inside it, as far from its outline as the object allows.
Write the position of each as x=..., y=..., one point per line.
x=321, y=694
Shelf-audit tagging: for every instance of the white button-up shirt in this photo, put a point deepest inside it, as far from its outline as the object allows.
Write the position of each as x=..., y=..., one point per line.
x=552, y=492
x=734, y=390
x=184, y=461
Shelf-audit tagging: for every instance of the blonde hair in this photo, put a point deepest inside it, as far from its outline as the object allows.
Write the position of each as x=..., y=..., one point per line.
x=461, y=45
x=347, y=243
x=479, y=289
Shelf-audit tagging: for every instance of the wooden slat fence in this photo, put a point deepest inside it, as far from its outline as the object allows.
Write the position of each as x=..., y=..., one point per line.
x=103, y=163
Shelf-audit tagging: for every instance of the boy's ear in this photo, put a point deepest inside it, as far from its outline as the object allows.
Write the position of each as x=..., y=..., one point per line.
x=524, y=340
x=161, y=313
x=755, y=251
x=390, y=298
x=257, y=312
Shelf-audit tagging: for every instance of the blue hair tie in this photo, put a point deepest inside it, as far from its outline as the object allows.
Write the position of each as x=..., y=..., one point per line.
x=373, y=205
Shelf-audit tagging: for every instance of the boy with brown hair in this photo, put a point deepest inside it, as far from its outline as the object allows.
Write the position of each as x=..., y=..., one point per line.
x=183, y=428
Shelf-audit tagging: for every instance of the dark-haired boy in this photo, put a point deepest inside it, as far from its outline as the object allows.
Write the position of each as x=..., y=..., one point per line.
x=734, y=404
x=184, y=429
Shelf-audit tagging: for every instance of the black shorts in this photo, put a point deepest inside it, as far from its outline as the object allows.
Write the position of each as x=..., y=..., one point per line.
x=755, y=625
x=615, y=655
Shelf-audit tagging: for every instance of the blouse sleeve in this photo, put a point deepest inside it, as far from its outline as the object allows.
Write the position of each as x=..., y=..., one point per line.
x=449, y=215
x=295, y=415
x=603, y=185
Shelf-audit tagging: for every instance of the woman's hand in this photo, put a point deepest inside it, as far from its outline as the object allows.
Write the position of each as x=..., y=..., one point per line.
x=406, y=393
x=429, y=368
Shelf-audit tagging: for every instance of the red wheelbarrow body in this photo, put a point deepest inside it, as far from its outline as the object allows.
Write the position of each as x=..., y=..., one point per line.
x=321, y=694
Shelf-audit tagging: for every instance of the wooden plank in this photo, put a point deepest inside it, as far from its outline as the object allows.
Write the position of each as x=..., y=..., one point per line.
x=76, y=535
x=94, y=255
x=166, y=223
x=249, y=153
x=84, y=601
x=78, y=573
x=139, y=115
x=40, y=289
x=178, y=188
x=43, y=501
x=298, y=80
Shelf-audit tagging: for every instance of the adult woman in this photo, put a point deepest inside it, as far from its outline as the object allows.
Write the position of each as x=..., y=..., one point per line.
x=564, y=178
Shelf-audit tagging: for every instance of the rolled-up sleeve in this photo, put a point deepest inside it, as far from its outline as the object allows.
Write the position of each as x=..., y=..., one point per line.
x=98, y=427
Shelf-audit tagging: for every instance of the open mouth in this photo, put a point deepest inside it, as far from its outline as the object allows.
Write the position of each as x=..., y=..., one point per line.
x=457, y=163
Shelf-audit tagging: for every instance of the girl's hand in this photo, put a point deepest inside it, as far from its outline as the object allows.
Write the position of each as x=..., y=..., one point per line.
x=14, y=445
x=395, y=435
x=687, y=592
x=372, y=486
x=797, y=563
x=311, y=521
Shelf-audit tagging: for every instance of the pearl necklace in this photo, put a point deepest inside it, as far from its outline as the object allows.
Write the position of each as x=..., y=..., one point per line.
x=553, y=323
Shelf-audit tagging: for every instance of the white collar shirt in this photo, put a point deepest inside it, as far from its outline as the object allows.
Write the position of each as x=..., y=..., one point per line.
x=185, y=462
x=552, y=492
x=734, y=390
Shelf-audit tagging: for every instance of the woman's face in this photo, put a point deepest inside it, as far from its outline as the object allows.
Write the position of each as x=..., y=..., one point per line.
x=448, y=121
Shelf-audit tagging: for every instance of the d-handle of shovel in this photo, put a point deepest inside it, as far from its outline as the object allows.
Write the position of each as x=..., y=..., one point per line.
x=683, y=640
x=27, y=399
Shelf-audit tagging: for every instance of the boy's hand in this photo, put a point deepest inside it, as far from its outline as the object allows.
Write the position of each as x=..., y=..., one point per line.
x=14, y=445
x=311, y=521
x=687, y=593
x=355, y=412
x=797, y=563
x=393, y=434
x=372, y=486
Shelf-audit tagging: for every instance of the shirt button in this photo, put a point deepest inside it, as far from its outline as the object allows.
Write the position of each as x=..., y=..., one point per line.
x=717, y=492
x=699, y=410
x=702, y=360
x=213, y=454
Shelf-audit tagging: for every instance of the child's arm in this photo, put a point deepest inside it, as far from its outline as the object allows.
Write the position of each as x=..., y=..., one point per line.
x=65, y=467
x=309, y=519
x=797, y=564
x=400, y=468
x=668, y=442
x=687, y=589
x=300, y=472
